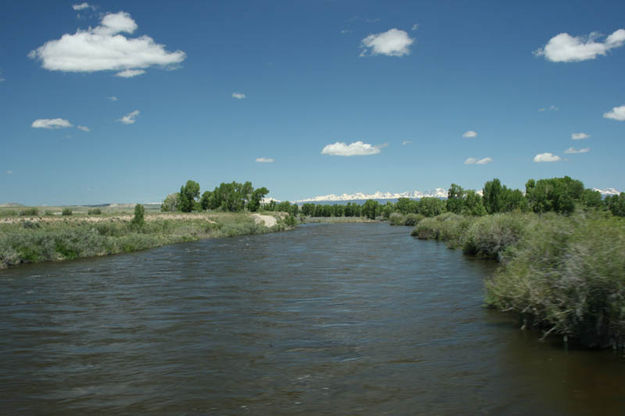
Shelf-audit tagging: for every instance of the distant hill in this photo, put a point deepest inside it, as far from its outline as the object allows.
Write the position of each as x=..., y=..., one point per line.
x=11, y=205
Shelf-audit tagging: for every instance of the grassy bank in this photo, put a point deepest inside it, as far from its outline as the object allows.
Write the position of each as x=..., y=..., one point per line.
x=39, y=239
x=562, y=274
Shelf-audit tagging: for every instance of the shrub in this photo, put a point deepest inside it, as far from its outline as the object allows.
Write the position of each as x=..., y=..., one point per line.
x=491, y=235
x=413, y=219
x=29, y=212
x=66, y=212
x=396, y=219
x=139, y=218
x=567, y=276
x=94, y=211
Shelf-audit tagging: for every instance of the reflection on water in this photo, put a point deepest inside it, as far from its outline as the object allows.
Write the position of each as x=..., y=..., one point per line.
x=325, y=320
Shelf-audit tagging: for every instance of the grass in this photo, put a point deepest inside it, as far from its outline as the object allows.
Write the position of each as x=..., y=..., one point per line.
x=562, y=274
x=36, y=240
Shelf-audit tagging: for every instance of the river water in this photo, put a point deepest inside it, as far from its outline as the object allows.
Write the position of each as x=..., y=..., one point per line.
x=329, y=319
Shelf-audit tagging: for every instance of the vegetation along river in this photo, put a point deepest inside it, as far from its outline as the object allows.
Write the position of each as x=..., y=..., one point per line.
x=336, y=319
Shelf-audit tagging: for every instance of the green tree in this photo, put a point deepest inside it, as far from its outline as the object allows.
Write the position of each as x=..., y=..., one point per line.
x=188, y=195
x=139, y=219
x=256, y=198
x=473, y=204
x=455, y=198
x=431, y=206
x=493, y=196
x=370, y=209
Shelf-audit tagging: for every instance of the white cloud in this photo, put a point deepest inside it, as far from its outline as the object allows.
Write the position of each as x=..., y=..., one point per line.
x=567, y=48
x=469, y=134
x=474, y=161
x=414, y=27
x=546, y=157
x=130, y=117
x=130, y=73
x=83, y=128
x=265, y=160
x=617, y=113
x=405, y=142
x=550, y=108
x=82, y=6
x=113, y=98
x=394, y=42
x=572, y=150
x=579, y=136
x=357, y=148
x=105, y=48
x=51, y=123
x=345, y=31
x=238, y=95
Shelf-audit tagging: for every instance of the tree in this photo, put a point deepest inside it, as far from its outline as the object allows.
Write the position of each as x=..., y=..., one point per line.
x=188, y=195
x=431, y=206
x=370, y=209
x=493, y=196
x=207, y=200
x=591, y=198
x=455, y=198
x=555, y=194
x=406, y=206
x=256, y=198
x=138, y=220
x=473, y=204
x=171, y=203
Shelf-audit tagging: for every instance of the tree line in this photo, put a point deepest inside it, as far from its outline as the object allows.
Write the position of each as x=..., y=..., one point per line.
x=231, y=197
x=560, y=195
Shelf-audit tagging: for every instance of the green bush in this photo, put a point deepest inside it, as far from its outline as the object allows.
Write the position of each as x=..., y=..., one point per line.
x=29, y=212
x=567, y=276
x=139, y=219
x=413, y=219
x=396, y=219
x=66, y=212
x=491, y=235
x=94, y=211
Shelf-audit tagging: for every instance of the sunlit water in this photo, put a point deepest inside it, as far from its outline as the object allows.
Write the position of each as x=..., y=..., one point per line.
x=357, y=319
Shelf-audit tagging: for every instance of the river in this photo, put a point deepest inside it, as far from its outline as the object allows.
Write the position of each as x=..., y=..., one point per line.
x=328, y=319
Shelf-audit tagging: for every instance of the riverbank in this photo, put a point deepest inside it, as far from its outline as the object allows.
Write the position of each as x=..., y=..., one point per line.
x=335, y=220
x=37, y=239
x=562, y=274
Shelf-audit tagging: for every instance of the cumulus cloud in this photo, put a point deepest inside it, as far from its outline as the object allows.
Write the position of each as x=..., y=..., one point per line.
x=393, y=42
x=105, y=48
x=475, y=161
x=469, y=134
x=51, y=123
x=130, y=118
x=130, y=73
x=265, y=160
x=83, y=128
x=238, y=95
x=617, y=113
x=405, y=142
x=567, y=48
x=81, y=6
x=579, y=136
x=572, y=150
x=414, y=27
x=546, y=157
x=357, y=148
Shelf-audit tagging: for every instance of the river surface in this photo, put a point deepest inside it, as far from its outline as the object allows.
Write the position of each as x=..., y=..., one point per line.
x=329, y=319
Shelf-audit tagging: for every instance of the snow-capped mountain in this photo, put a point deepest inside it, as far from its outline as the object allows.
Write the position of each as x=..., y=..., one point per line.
x=359, y=196
x=607, y=191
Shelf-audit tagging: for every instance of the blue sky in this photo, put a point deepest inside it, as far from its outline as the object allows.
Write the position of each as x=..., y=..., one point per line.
x=306, y=97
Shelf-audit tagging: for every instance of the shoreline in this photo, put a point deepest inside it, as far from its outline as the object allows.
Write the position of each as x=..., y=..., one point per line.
x=27, y=240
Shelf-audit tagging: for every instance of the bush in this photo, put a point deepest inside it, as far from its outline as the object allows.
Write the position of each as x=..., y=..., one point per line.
x=66, y=212
x=94, y=211
x=413, y=219
x=567, y=276
x=396, y=219
x=139, y=218
x=29, y=212
x=491, y=235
